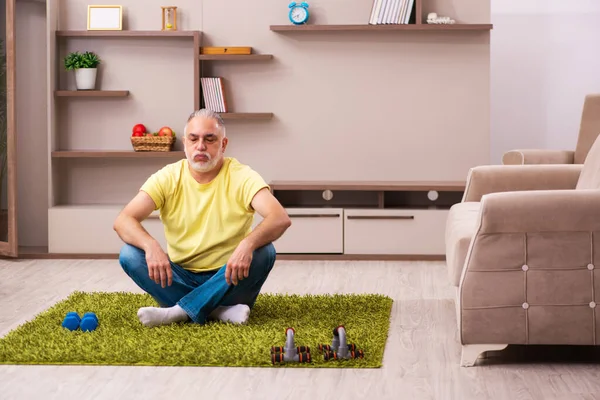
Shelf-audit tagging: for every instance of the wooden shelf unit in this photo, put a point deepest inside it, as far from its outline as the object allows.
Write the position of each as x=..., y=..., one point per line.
x=382, y=28
x=257, y=116
x=116, y=154
x=237, y=116
x=235, y=57
x=130, y=34
x=92, y=93
x=366, y=220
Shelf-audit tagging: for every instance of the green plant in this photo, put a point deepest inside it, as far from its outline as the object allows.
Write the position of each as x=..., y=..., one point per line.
x=76, y=60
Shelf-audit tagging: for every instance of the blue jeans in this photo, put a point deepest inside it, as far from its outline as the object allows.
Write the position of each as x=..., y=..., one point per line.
x=200, y=293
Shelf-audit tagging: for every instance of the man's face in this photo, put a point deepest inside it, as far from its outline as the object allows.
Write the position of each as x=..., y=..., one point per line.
x=204, y=144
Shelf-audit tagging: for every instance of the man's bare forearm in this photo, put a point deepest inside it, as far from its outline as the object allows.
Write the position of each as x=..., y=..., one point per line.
x=270, y=229
x=131, y=231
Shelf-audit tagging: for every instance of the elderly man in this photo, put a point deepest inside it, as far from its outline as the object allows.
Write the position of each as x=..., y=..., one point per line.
x=215, y=264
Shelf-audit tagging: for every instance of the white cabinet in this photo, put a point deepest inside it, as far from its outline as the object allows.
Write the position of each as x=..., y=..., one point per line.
x=410, y=232
x=89, y=229
x=313, y=230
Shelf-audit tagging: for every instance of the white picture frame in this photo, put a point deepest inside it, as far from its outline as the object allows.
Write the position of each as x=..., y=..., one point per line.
x=105, y=18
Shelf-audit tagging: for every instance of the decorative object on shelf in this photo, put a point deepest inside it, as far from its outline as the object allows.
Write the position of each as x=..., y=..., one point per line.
x=143, y=140
x=433, y=18
x=393, y=12
x=226, y=50
x=298, y=13
x=105, y=18
x=169, y=18
x=85, y=66
x=213, y=94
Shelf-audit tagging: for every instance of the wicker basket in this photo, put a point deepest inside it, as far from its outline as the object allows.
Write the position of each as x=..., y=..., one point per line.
x=152, y=143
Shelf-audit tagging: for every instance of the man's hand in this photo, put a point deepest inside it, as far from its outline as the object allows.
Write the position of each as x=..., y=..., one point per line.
x=238, y=265
x=159, y=267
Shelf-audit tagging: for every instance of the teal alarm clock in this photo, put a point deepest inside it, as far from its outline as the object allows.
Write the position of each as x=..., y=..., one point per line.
x=298, y=13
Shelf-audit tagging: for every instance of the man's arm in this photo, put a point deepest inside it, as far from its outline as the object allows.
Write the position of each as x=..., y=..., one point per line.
x=128, y=223
x=129, y=228
x=275, y=220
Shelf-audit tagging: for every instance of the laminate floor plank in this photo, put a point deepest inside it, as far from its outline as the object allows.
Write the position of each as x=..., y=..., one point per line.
x=421, y=359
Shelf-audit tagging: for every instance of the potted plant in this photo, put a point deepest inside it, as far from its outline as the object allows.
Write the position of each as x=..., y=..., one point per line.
x=85, y=66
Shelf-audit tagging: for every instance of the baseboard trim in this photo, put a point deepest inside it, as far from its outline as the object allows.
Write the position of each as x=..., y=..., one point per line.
x=42, y=253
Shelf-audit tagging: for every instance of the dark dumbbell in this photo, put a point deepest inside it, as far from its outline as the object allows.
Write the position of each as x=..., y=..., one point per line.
x=71, y=321
x=89, y=322
x=357, y=354
x=276, y=349
x=324, y=347
x=304, y=357
x=303, y=349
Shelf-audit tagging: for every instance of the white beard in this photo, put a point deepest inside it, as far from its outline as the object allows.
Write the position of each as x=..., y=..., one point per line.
x=204, y=166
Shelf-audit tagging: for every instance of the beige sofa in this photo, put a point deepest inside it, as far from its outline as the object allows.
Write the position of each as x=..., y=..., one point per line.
x=522, y=250
x=589, y=128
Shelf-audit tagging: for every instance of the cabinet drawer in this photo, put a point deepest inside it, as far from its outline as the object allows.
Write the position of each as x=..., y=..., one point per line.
x=375, y=231
x=312, y=231
x=89, y=230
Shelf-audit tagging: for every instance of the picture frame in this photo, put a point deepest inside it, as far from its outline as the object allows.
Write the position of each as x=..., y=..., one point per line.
x=105, y=18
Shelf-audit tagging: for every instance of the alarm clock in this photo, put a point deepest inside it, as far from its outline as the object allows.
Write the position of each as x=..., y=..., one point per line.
x=298, y=13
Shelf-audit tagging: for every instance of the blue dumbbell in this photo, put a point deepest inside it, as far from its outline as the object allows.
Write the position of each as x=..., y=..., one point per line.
x=89, y=322
x=71, y=321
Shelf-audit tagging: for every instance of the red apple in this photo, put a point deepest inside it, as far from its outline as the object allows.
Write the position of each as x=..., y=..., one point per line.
x=137, y=133
x=165, y=131
x=139, y=128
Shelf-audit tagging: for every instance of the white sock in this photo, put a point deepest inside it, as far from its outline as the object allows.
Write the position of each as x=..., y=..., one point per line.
x=237, y=314
x=155, y=316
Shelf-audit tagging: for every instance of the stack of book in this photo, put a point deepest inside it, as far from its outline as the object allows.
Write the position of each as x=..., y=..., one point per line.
x=214, y=94
x=391, y=12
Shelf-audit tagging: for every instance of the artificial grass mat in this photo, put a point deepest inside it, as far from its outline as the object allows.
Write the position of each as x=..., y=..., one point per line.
x=121, y=339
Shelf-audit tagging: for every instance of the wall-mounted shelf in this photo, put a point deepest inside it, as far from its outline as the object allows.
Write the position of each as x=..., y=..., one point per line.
x=246, y=116
x=377, y=28
x=136, y=34
x=92, y=93
x=116, y=154
x=369, y=185
x=235, y=57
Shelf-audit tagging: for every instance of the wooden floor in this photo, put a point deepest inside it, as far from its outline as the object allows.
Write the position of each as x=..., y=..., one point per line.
x=421, y=359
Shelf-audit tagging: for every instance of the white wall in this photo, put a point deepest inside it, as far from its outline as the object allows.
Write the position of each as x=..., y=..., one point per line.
x=545, y=59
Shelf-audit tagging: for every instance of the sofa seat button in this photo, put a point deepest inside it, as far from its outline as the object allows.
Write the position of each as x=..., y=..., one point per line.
x=590, y=266
x=592, y=304
x=525, y=267
x=525, y=306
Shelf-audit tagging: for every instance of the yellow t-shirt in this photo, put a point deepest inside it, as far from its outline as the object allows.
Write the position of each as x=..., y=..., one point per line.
x=204, y=223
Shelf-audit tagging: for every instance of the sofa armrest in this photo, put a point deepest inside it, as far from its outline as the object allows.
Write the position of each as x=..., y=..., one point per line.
x=485, y=179
x=534, y=156
x=529, y=275
x=540, y=211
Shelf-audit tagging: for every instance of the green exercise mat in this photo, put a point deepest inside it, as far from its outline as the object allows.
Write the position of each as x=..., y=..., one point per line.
x=121, y=339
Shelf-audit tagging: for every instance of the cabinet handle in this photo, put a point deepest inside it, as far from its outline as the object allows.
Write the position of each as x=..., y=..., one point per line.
x=381, y=217
x=314, y=215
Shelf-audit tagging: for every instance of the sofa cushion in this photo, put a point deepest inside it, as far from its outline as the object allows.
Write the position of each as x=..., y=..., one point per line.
x=590, y=173
x=460, y=228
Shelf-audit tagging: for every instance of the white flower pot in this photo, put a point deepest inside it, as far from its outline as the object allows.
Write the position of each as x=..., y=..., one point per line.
x=85, y=78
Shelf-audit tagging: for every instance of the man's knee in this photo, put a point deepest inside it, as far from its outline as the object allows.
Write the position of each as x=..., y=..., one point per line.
x=265, y=256
x=131, y=258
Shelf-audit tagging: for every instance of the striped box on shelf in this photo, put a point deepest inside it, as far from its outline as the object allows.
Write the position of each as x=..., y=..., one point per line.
x=392, y=12
x=213, y=93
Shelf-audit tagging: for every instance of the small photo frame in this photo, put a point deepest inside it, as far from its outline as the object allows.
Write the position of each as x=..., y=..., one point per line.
x=105, y=18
